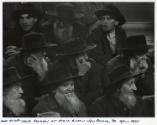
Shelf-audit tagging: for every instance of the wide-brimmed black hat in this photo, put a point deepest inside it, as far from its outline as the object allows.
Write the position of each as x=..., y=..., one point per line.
x=11, y=77
x=66, y=12
x=34, y=41
x=27, y=8
x=117, y=71
x=135, y=45
x=74, y=46
x=113, y=10
x=56, y=77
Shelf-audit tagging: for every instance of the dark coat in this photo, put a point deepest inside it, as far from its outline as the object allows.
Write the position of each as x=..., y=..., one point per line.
x=110, y=106
x=88, y=87
x=49, y=104
x=102, y=53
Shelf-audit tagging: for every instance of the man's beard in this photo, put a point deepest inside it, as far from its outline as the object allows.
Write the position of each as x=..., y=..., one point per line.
x=129, y=100
x=17, y=106
x=69, y=102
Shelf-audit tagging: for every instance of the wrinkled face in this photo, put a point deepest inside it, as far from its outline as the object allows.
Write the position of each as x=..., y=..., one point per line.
x=27, y=22
x=128, y=87
x=138, y=64
x=66, y=88
x=108, y=23
x=15, y=92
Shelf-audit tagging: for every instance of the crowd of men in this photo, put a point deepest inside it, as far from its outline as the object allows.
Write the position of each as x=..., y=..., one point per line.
x=68, y=69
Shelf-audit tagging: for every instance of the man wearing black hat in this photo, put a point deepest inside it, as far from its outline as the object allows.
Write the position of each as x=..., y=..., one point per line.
x=134, y=55
x=13, y=104
x=66, y=24
x=26, y=19
x=119, y=99
x=62, y=100
x=74, y=55
x=108, y=36
x=32, y=60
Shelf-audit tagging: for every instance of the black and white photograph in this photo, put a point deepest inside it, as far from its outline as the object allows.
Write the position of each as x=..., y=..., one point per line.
x=78, y=59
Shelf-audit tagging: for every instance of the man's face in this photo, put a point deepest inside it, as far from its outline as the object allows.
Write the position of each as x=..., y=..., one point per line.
x=127, y=95
x=67, y=87
x=15, y=92
x=138, y=64
x=63, y=30
x=108, y=23
x=27, y=22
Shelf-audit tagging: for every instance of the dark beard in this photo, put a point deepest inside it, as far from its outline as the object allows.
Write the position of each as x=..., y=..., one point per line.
x=69, y=102
x=129, y=100
x=17, y=106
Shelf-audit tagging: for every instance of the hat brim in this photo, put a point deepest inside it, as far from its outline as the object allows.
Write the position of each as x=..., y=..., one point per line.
x=47, y=45
x=125, y=76
x=88, y=48
x=19, y=80
x=51, y=83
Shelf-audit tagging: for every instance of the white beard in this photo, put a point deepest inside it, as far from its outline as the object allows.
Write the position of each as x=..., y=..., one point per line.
x=129, y=100
x=69, y=102
x=17, y=106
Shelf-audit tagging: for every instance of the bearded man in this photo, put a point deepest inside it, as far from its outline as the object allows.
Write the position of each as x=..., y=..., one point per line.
x=119, y=99
x=62, y=100
x=13, y=104
x=32, y=60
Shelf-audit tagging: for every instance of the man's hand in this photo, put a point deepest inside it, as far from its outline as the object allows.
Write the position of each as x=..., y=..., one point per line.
x=12, y=50
x=38, y=64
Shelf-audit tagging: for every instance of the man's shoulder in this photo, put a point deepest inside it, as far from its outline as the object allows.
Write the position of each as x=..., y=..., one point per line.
x=44, y=105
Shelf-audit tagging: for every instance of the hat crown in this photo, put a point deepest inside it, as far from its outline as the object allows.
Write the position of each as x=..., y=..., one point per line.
x=75, y=46
x=33, y=41
x=136, y=45
x=10, y=76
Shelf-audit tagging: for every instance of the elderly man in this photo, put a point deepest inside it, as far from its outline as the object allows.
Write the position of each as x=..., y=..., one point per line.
x=119, y=99
x=74, y=55
x=108, y=36
x=13, y=104
x=62, y=100
x=32, y=60
x=26, y=18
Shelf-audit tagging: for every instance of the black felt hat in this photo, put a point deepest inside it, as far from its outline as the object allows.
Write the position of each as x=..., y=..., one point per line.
x=113, y=10
x=75, y=46
x=27, y=8
x=34, y=41
x=135, y=45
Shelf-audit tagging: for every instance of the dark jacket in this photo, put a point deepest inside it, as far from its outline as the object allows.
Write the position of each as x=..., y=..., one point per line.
x=49, y=104
x=110, y=106
x=102, y=53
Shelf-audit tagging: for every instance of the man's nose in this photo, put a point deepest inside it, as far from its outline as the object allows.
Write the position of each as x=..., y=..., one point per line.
x=20, y=90
x=134, y=87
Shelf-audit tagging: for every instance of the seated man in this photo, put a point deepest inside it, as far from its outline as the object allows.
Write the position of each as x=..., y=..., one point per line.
x=62, y=100
x=13, y=104
x=119, y=99
x=74, y=54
